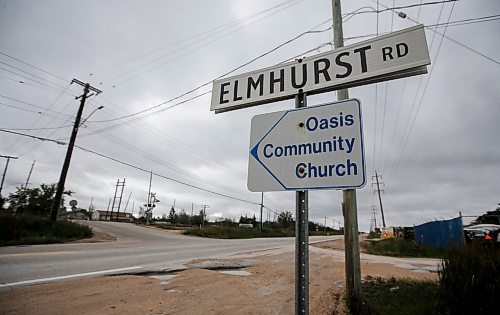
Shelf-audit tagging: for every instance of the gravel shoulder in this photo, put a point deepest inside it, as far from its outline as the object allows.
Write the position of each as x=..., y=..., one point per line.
x=263, y=285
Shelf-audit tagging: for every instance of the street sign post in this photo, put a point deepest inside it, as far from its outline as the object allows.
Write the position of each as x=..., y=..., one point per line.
x=318, y=147
x=396, y=55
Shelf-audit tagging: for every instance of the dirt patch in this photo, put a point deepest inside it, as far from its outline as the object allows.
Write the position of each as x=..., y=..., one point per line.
x=97, y=237
x=269, y=289
x=339, y=244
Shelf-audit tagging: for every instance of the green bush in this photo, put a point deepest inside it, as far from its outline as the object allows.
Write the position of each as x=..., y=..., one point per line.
x=394, y=296
x=238, y=233
x=399, y=247
x=469, y=281
x=28, y=229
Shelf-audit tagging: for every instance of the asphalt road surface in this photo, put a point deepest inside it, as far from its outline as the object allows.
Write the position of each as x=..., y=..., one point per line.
x=137, y=249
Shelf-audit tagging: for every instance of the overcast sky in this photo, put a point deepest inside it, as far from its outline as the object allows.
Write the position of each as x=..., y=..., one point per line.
x=435, y=138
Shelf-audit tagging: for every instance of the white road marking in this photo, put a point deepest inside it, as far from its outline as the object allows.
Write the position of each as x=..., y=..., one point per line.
x=78, y=275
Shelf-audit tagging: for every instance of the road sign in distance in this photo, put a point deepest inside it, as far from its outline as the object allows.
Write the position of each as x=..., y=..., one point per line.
x=396, y=55
x=317, y=147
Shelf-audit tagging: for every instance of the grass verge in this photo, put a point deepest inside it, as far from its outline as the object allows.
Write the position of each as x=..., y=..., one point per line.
x=238, y=233
x=398, y=247
x=27, y=230
x=394, y=296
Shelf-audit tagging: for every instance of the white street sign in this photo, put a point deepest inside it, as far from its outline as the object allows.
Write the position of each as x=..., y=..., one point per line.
x=317, y=147
x=392, y=56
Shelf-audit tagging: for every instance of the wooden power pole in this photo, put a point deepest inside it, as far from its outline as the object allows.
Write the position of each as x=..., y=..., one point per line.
x=349, y=204
x=56, y=204
x=5, y=170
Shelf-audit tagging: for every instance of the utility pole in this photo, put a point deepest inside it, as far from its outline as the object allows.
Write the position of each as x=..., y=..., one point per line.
x=192, y=209
x=261, y=206
x=379, y=197
x=29, y=175
x=148, y=206
x=373, y=223
x=204, y=213
x=122, y=185
x=56, y=204
x=349, y=204
x=128, y=199
x=324, y=229
x=5, y=170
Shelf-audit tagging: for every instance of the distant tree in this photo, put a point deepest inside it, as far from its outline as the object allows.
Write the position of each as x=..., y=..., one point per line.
x=198, y=219
x=247, y=220
x=36, y=201
x=490, y=217
x=285, y=219
x=172, y=216
x=142, y=212
x=183, y=217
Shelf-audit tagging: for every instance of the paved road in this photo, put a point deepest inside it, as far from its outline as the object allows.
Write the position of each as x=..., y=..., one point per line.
x=136, y=249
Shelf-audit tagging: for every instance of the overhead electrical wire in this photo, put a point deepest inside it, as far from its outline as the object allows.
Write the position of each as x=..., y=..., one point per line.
x=135, y=167
x=438, y=25
x=422, y=96
x=210, y=82
x=162, y=162
x=413, y=104
x=205, y=34
x=36, y=129
x=30, y=74
x=26, y=110
x=35, y=106
x=31, y=79
x=202, y=43
x=35, y=67
x=19, y=145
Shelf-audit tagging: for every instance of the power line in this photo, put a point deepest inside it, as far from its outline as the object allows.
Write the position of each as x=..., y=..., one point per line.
x=31, y=79
x=134, y=166
x=33, y=137
x=446, y=36
x=31, y=74
x=218, y=77
x=133, y=148
x=35, y=129
x=141, y=117
x=36, y=106
x=402, y=7
x=26, y=110
x=439, y=25
x=35, y=67
x=421, y=98
x=205, y=34
x=206, y=43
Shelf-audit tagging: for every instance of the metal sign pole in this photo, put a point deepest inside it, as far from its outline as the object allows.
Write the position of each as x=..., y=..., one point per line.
x=301, y=240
